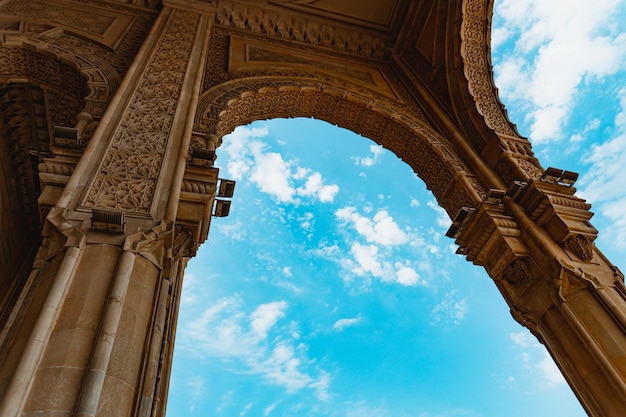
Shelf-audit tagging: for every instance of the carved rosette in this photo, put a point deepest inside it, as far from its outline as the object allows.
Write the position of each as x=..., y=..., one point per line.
x=132, y=164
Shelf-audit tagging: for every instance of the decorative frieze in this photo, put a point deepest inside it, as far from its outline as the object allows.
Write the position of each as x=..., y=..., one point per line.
x=298, y=28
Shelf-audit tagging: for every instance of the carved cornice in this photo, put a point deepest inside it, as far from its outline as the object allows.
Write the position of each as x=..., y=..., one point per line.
x=300, y=28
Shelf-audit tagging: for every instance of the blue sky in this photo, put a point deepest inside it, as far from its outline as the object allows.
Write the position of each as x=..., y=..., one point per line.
x=331, y=290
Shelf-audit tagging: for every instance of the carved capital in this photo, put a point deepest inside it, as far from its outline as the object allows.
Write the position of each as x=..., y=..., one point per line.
x=569, y=280
x=58, y=233
x=151, y=244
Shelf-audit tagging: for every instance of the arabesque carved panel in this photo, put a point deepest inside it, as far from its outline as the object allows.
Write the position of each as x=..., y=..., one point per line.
x=128, y=175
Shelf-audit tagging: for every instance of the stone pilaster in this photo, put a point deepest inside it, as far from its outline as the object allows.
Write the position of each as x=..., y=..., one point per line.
x=536, y=242
x=92, y=331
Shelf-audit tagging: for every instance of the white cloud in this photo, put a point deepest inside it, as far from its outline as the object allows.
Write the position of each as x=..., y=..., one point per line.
x=381, y=229
x=245, y=410
x=249, y=158
x=271, y=174
x=342, y=324
x=557, y=47
x=604, y=181
x=266, y=316
x=225, y=331
x=366, y=257
x=523, y=339
x=414, y=203
x=443, y=220
x=376, y=152
x=306, y=221
x=406, y=275
x=450, y=309
x=536, y=360
x=234, y=231
x=268, y=410
x=197, y=390
x=314, y=187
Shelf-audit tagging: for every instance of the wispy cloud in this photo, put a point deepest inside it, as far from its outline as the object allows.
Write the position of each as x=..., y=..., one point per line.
x=225, y=331
x=376, y=152
x=342, y=324
x=536, y=360
x=450, y=310
x=268, y=410
x=558, y=45
x=250, y=158
x=604, y=181
x=443, y=220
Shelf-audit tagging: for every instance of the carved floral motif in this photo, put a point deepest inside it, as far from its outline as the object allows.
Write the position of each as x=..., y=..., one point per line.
x=580, y=245
x=518, y=272
x=129, y=172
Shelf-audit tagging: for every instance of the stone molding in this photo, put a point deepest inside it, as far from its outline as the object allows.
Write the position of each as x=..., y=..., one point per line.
x=475, y=51
x=129, y=172
x=424, y=150
x=297, y=27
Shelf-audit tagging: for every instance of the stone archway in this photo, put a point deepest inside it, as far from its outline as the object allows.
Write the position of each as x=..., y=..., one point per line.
x=409, y=137
x=136, y=206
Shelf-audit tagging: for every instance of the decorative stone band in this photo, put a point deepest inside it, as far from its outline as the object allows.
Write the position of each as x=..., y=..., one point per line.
x=128, y=175
x=297, y=28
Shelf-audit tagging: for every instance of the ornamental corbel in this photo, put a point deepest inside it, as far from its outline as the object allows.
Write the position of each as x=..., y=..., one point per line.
x=151, y=244
x=58, y=233
x=552, y=205
x=488, y=236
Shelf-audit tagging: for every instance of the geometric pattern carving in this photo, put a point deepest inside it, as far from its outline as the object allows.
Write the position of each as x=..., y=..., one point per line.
x=92, y=21
x=130, y=169
x=479, y=75
x=96, y=22
x=474, y=49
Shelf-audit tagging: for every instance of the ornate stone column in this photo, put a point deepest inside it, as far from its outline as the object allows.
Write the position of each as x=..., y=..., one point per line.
x=536, y=242
x=92, y=331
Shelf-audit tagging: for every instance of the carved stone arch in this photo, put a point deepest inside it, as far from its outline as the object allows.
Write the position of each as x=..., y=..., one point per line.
x=432, y=158
x=40, y=57
x=516, y=159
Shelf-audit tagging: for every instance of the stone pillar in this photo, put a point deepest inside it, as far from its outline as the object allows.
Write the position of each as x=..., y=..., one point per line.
x=92, y=332
x=536, y=242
